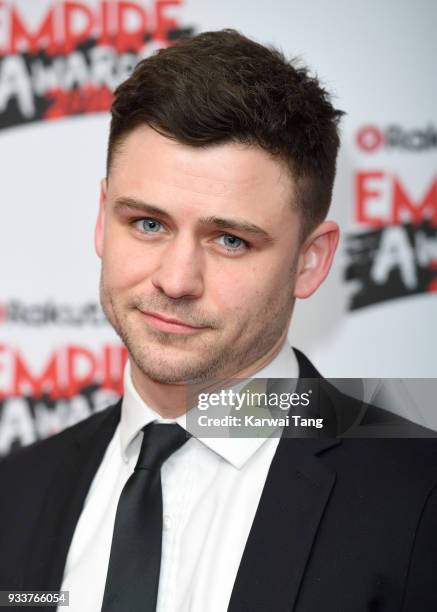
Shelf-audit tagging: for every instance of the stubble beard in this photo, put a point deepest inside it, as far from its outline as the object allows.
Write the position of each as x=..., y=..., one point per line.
x=217, y=360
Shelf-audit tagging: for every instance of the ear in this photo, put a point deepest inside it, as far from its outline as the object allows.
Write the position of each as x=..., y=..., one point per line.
x=315, y=258
x=100, y=223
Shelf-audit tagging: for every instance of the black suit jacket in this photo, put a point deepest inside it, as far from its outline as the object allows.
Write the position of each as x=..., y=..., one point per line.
x=343, y=525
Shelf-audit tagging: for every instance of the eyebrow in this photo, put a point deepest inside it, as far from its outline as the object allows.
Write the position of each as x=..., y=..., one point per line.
x=214, y=221
x=123, y=202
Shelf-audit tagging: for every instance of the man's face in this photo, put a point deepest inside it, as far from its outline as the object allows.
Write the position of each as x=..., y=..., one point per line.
x=199, y=250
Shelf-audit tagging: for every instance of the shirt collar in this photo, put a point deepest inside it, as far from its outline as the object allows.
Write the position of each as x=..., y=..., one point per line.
x=136, y=414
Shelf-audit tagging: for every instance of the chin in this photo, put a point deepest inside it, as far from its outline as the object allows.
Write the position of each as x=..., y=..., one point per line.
x=178, y=371
x=171, y=376
x=166, y=369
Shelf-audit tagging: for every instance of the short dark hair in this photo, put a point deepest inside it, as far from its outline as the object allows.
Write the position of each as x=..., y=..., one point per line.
x=220, y=87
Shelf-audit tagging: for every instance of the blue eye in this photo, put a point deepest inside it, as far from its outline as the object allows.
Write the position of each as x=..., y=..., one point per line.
x=148, y=225
x=233, y=243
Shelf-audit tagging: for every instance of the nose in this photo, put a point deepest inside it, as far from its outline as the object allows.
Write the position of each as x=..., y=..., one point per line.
x=179, y=273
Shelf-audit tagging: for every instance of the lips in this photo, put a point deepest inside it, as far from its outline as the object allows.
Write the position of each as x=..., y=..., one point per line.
x=169, y=324
x=170, y=320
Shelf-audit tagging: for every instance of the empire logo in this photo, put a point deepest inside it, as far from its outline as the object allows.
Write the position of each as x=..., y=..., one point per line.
x=396, y=254
x=64, y=373
x=72, y=383
x=75, y=56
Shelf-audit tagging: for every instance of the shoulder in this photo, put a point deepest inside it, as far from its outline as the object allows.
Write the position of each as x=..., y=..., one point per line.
x=405, y=459
x=42, y=457
x=351, y=417
x=377, y=445
x=391, y=480
x=36, y=476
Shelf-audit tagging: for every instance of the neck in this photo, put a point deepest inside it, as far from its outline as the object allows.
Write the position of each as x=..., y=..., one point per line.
x=171, y=400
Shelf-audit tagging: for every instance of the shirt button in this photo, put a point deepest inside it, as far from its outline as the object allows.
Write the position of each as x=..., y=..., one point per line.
x=166, y=522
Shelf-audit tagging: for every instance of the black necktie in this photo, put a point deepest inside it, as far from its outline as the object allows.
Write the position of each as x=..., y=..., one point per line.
x=134, y=564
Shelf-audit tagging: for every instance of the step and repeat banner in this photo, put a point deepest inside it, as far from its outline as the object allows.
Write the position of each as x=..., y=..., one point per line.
x=59, y=63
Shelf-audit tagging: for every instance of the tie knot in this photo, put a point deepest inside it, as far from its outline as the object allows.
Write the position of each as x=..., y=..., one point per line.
x=160, y=440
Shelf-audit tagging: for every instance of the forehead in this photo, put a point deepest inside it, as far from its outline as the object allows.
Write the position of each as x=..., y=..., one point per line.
x=231, y=177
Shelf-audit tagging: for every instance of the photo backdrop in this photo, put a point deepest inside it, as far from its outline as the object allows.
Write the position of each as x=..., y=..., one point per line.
x=59, y=61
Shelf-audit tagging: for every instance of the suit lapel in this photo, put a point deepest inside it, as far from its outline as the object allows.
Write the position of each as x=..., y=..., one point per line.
x=65, y=499
x=285, y=526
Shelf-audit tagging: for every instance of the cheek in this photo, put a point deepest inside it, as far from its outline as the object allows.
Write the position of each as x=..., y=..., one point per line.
x=125, y=262
x=246, y=292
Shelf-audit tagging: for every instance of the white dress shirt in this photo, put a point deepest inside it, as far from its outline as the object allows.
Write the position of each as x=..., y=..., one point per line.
x=211, y=488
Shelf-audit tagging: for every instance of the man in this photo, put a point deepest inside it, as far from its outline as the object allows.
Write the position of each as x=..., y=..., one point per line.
x=221, y=162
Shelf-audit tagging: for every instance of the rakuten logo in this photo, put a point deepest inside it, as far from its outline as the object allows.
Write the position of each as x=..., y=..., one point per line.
x=371, y=138
x=50, y=313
